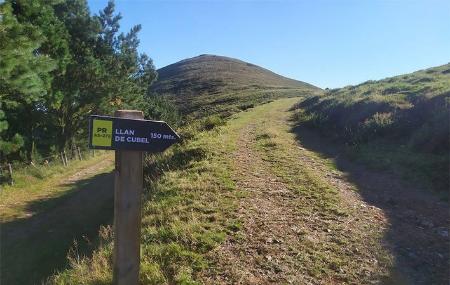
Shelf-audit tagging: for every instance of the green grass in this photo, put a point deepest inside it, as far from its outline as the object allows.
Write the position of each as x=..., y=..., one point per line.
x=399, y=124
x=188, y=209
x=190, y=204
x=190, y=197
x=226, y=102
x=428, y=170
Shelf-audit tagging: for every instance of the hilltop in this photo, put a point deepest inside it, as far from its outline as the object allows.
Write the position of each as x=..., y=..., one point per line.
x=209, y=84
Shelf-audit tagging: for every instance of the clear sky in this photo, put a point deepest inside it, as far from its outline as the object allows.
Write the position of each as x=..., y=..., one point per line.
x=327, y=43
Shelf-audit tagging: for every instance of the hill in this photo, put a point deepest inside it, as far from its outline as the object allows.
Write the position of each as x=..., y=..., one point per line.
x=400, y=122
x=209, y=84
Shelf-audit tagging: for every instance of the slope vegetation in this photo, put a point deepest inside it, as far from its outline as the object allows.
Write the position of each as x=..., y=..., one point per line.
x=249, y=202
x=400, y=122
x=209, y=84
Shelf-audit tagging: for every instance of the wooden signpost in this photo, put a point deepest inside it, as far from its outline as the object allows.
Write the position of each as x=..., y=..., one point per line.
x=129, y=135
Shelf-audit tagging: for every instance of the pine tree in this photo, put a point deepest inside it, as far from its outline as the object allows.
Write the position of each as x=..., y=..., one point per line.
x=24, y=76
x=58, y=65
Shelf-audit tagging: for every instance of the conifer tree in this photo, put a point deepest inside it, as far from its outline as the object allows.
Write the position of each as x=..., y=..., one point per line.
x=24, y=76
x=58, y=65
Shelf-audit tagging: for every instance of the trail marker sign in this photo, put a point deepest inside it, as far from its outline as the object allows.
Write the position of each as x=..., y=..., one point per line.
x=130, y=134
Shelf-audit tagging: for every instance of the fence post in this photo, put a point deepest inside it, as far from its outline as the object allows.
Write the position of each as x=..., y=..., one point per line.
x=65, y=158
x=128, y=186
x=10, y=174
x=62, y=159
x=79, y=153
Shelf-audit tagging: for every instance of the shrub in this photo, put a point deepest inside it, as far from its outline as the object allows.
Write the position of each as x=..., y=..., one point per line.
x=378, y=124
x=211, y=122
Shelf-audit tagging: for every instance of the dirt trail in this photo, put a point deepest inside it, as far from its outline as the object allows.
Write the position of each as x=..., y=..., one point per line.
x=413, y=224
x=34, y=246
x=270, y=223
x=273, y=229
x=88, y=171
x=75, y=200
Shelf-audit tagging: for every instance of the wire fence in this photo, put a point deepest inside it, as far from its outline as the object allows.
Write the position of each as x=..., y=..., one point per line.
x=64, y=158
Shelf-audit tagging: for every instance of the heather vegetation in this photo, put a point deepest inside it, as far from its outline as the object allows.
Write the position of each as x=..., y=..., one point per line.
x=399, y=123
x=217, y=85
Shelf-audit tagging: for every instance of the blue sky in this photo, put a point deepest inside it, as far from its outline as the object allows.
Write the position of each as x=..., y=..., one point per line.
x=327, y=43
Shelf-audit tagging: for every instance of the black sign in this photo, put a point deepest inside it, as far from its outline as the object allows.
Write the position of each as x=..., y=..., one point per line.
x=128, y=134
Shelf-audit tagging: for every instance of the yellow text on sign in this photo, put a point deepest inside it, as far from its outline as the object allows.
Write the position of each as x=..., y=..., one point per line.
x=101, y=132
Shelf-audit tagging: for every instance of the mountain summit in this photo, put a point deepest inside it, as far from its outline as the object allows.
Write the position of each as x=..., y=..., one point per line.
x=213, y=80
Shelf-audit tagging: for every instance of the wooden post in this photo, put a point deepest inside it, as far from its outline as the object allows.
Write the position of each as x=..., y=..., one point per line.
x=79, y=153
x=62, y=159
x=74, y=152
x=127, y=211
x=65, y=158
x=11, y=181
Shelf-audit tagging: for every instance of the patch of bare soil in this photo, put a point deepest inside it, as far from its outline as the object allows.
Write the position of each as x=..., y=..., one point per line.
x=88, y=171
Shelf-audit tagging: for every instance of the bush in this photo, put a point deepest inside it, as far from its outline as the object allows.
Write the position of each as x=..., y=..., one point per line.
x=247, y=106
x=211, y=122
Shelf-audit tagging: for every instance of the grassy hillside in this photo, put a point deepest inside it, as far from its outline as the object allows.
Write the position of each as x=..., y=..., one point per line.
x=188, y=207
x=209, y=84
x=401, y=123
x=191, y=206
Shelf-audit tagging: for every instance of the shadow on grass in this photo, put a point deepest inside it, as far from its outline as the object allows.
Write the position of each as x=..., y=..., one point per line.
x=34, y=247
x=418, y=232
